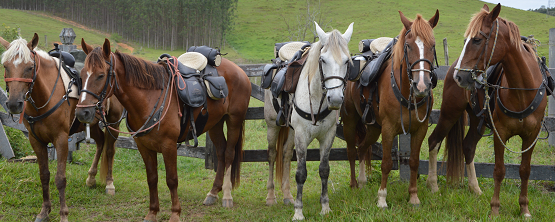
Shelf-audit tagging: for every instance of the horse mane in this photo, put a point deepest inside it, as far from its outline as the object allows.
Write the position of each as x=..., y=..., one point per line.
x=478, y=19
x=19, y=48
x=336, y=44
x=143, y=74
x=95, y=59
x=421, y=28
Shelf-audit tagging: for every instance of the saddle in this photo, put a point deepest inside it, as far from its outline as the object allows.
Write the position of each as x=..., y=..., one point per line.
x=68, y=63
x=367, y=66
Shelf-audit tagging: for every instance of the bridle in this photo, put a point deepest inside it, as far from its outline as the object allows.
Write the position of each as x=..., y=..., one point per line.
x=110, y=81
x=475, y=70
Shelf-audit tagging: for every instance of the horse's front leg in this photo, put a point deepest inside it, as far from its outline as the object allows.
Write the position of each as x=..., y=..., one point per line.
x=324, y=169
x=170, y=160
x=60, y=180
x=524, y=172
x=42, y=160
x=498, y=171
x=107, y=163
x=98, y=136
x=301, y=143
x=151, y=166
x=414, y=161
x=387, y=164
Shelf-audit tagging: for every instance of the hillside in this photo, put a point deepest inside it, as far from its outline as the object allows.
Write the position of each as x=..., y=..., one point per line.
x=260, y=23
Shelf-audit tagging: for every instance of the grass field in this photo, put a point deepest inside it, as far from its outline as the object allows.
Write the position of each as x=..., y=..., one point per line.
x=259, y=25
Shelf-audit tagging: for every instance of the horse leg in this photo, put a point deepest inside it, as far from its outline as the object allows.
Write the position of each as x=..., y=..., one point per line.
x=363, y=152
x=151, y=166
x=42, y=159
x=234, y=134
x=387, y=164
x=170, y=161
x=218, y=138
x=324, y=170
x=61, y=146
x=414, y=161
x=107, y=162
x=98, y=136
x=524, y=172
x=349, y=131
x=300, y=177
x=469, y=149
x=287, y=156
x=498, y=171
x=271, y=136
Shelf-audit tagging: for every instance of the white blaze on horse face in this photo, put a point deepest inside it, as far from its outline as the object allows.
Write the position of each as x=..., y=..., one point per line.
x=421, y=85
x=84, y=94
x=458, y=66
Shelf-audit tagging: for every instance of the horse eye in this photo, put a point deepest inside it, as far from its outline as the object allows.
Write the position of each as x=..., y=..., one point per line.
x=476, y=40
x=100, y=76
x=323, y=61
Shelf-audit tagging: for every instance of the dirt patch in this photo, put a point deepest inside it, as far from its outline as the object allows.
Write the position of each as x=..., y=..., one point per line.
x=68, y=22
x=125, y=46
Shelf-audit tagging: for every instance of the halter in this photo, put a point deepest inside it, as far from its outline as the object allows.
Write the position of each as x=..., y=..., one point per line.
x=103, y=94
x=411, y=102
x=475, y=70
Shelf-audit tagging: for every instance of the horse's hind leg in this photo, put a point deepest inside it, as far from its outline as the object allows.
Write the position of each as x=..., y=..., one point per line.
x=234, y=135
x=98, y=136
x=218, y=138
x=271, y=135
x=349, y=131
x=287, y=155
x=42, y=159
x=364, y=152
x=469, y=150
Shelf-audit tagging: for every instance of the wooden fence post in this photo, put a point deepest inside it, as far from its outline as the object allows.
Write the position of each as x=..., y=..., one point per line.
x=446, y=51
x=210, y=158
x=551, y=101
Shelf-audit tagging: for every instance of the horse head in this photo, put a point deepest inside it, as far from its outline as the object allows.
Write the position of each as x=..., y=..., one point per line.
x=418, y=50
x=99, y=76
x=20, y=71
x=482, y=35
x=333, y=63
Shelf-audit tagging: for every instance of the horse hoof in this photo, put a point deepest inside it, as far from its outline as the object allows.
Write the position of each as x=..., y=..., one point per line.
x=91, y=182
x=111, y=191
x=287, y=201
x=527, y=216
x=38, y=219
x=270, y=202
x=298, y=217
x=228, y=203
x=416, y=205
x=174, y=218
x=210, y=200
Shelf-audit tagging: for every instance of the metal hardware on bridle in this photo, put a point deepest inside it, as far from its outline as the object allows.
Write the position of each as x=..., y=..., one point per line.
x=475, y=70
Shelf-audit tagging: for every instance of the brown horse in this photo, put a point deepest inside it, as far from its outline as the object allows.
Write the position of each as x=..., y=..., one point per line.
x=394, y=114
x=31, y=78
x=517, y=107
x=139, y=85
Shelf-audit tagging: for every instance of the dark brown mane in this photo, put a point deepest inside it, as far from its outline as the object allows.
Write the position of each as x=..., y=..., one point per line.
x=477, y=21
x=95, y=59
x=141, y=73
x=420, y=28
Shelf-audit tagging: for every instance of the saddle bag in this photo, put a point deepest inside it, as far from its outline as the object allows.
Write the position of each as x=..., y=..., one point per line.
x=216, y=87
x=364, y=45
x=213, y=55
x=269, y=72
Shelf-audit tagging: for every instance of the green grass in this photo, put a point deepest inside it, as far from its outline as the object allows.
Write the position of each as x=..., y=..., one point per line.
x=261, y=23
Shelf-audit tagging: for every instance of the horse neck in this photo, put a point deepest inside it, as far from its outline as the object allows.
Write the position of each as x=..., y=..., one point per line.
x=521, y=69
x=44, y=84
x=310, y=93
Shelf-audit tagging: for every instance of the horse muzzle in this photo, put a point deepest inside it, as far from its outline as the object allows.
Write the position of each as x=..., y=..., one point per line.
x=15, y=107
x=464, y=79
x=421, y=88
x=335, y=102
x=85, y=115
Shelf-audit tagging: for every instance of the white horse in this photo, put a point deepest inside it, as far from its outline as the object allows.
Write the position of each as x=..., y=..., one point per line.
x=319, y=92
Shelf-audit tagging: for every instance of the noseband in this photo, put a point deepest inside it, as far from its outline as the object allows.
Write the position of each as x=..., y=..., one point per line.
x=323, y=78
x=475, y=70
x=410, y=67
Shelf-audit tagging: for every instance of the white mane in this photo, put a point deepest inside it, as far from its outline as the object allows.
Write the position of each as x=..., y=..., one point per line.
x=19, y=51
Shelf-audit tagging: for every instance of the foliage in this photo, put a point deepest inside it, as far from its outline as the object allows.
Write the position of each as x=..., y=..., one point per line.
x=19, y=142
x=116, y=37
x=544, y=10
x=169, y=24
x=304, y=22
x=9, y=34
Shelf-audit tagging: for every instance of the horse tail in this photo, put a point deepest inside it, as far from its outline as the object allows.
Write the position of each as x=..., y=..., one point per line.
x=282, y=138
x=104, y=164
x=236, y=165
x=360, y=134
x=454, y=150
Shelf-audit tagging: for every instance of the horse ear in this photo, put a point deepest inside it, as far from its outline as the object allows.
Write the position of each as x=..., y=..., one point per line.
x=106, y=49
x=321, y=34
x=86, y=47
x=347, y=35
x=5, y=43
x=434, y=20
x=34, y=42
x=406, y=22
x=486, y=7
x=495, y=12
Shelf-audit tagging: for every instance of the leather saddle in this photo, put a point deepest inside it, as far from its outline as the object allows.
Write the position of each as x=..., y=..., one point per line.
x=366, y=66
x=283, y=74
x=68, y=63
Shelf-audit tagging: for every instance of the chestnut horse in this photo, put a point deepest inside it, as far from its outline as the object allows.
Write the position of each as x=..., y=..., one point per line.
x=517, y=106
x=140, y=86
x=31, y=78
x=407, y=75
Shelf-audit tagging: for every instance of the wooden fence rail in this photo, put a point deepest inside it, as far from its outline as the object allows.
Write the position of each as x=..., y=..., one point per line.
x=400, y=150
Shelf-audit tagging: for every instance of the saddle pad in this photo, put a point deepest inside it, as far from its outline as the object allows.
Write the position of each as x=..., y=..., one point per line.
x=287, y=51
x=66, y=79
x=193, y=60
x=379, y=44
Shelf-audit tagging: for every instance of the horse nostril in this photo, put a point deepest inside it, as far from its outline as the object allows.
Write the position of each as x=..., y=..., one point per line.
x=458, y=78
